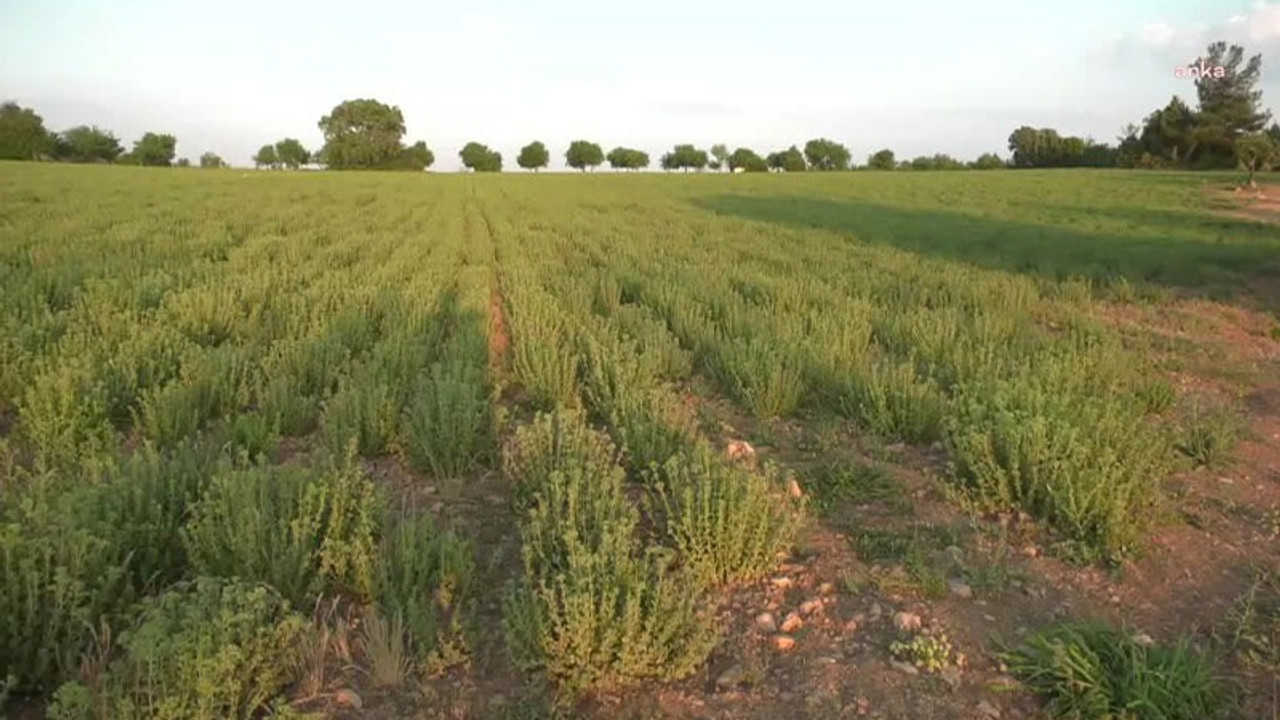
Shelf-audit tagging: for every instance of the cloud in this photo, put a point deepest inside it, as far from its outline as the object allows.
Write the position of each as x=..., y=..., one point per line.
x=1258, y=30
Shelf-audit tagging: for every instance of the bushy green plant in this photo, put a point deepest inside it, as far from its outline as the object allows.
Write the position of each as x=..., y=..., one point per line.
x=727, y=522
x=424, y=576
x=364, y=408
x=1208, y=432
x=208, y=650
x=298, y=530
x=592, y=610
x=1091, y=672
x=448, y=422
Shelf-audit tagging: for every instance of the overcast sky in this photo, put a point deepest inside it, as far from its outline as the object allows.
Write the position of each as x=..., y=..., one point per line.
x=917, y=76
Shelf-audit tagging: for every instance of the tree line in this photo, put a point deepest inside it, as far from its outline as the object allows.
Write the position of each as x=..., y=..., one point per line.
x=1225, y=129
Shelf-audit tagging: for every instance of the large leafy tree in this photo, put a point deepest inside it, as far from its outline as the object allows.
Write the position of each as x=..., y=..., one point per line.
x=266, y=157
x=1230, y=101
x=88, y=144
x=824, y=154
x=22, y=133
x=721, y=155
x=533, y=156
x=291, y=154
x=417, y=157
x=155, y=149
x=747, y=160
x=583, y=154
x=685, y=157
x=789, y=160
x=480, y=158
x=882, y=160
x=621, y=158
x=362, y=133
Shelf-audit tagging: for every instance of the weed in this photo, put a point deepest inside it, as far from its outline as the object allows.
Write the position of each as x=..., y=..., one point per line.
x=1208, y=433
x=384, y=645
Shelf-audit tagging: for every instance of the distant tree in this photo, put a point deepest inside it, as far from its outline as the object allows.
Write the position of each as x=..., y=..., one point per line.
x=362, y=134
x=480, y=158
x=1256, y=152
x=88, y=144
x=155, y=149
x=291, y=154
x=183, y=162
x=418, y=157
x=267, y=157
x=127, y=158
x=533, y=156
x=882, y=160
x=211, y=161
x=583, y=154
x=621, y=158
x=22, y=133
x=988, y=161
x=714, y=165
x=685, y=157
x=721, y=155
x=789, y=160
x=824, y=154
x=747, y=160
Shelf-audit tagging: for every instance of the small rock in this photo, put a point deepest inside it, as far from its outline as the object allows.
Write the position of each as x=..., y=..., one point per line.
x=907, y=622
x=897, y=447
x=766, y=623
x=740, y=450
x=851, y=626
x=792, y=622
x=828, y=660
x=731, y=677
x=1031, y=551
x=1115, y=599
x=437, y=507
x=1226, y=481
x=989, y=618
x=902, y=667
x=784, y=642
x=793, y=489
x=809, y=607
x=952, y=675
x=826, y=588
x=875, y=612
x=861, y=705
x=429, y=490
x=348, y=698
x=1144, y=640
x=960, y=589
x=782, y=582
x=987, y=710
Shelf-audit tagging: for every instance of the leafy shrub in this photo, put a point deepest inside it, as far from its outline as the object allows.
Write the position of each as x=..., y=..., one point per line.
x=1091, y=672
x=591, y=609
x=728, y=523
x=364, y=408
x=298, y=531
x=206, y=650
x=890, y=399
x=448, y=423
x=424, y=577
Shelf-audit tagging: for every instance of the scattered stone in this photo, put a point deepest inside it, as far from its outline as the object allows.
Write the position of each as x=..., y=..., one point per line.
x=1031, y=551
x=875, y=612
x=987, y=710
x=781, y=582
x=731, y=677
x=809, y=607
x=347, y=697
x=828, y=660
x=1115, y=599
x=1144, y=640
x=792, y=622
x=740, y=450
x=784, y=642
x=793, y=489
x=952, y=675
x=429, y=490
x=902, y=667
x=989, y=618
x=906, y=621
x=766, y=623
x=960, y=589
x=851, y=626
x=437, y=507
x=1226, y=481
x=826, y=588
x=897, y=447
x=861, y=705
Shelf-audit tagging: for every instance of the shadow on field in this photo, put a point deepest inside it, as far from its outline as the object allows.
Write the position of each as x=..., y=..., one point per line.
x=1213, y=256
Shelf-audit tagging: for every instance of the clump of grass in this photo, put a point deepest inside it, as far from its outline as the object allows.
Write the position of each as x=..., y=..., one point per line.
x=300, y=531
x=365, y=408
x=1092, y=672
x=856, y=483
x=384, y=644
x=1255, y=636
x=892, y=400
x=448, y=423
x=727, y=522
x=592, y=610
x=908, y=555
x=1208, y=433
x=425, y=577
x=767, y=381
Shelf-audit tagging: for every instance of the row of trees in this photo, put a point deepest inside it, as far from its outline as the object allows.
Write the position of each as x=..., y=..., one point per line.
x=24, y=137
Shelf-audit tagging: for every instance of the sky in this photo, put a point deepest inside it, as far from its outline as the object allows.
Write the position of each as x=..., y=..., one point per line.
x=916, y=76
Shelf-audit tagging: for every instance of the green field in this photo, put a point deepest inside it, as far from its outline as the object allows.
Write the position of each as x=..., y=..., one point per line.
x=249, y=378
